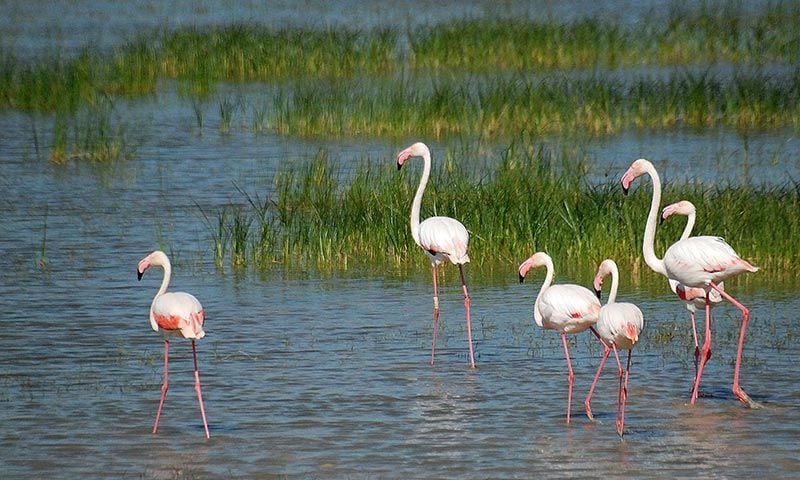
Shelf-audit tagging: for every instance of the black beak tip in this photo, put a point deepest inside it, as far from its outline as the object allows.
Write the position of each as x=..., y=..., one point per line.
x=521, y=278
x=399, y=165
x=139, y=274
x=624, y=191
x=661, y=221
x=598, y=293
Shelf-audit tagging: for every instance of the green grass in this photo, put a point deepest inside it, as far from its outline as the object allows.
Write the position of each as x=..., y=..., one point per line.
x=714, y=32
x=509, y=106
x=92, y=133
x=514, y=202
x=199, y=58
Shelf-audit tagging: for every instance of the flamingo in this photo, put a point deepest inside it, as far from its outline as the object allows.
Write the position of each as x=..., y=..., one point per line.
x=442, y=238
x=175, y=313
x=618, y=325
x=566, y=308
x=694, y=298
x=699, y=262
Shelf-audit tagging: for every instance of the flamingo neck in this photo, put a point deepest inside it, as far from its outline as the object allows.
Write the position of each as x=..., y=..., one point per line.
x=165, y=281
x=164, y=284
x=648, y=248
x=687, y=230
x=612, y=294
x=548, y=279
x=417, y=203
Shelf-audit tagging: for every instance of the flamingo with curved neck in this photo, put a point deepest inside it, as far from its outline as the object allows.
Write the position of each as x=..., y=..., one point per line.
x=694, y=298
x=174, y=314
x=566, y=308
x=700, y=262
x=619, y=325
x=442, y=238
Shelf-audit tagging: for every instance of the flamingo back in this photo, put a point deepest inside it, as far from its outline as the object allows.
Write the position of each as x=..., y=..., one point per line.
x=617, y=321
x=444, y=237
x=697, y=261
x=178, y=312
x=568, y=308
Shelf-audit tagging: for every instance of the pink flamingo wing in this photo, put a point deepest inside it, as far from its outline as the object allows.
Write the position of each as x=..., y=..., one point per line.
x=446, y=236
x=179, y=311
x=569, y=305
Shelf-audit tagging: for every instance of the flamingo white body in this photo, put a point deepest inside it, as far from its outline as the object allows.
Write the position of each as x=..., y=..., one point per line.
x=174, y=314
x=566, y=308
x=693, y=297
x=618, y=327
x=442, y=238
x=699, y=262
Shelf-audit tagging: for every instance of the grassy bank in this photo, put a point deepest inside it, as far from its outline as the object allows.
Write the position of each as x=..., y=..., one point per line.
x=513, y=201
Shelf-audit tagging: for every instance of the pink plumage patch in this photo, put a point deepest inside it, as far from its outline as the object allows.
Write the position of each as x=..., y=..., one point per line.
x=175, y=322
x=167, y=322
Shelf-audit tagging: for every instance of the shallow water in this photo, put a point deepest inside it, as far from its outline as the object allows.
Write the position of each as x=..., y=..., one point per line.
x=309, y=376
x=329, y=377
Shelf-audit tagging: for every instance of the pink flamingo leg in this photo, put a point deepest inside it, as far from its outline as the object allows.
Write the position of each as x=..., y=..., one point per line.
x=737, y=390
x=696, y=344
x=435, y=314
x=571, y=375
x=469, y=324
x=705, y=354
x=164, y=386
x=624, y=398
x=620, y=393
x=588, y=402
x=198, y=390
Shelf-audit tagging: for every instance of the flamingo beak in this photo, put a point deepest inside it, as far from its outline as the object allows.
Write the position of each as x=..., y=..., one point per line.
x=598, y=292
x=661, y=221
x=139, y=274
x=521, y=278
x=399, y=165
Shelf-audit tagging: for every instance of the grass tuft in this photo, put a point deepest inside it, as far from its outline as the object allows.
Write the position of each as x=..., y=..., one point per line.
x=514, y=201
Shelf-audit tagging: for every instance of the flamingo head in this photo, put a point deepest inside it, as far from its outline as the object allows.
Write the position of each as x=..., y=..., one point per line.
x=604, y=270
x=684, y=207
x=538, y=259
x=631, y=332
x=637, y=168
x=157, y=258
x=418, y=149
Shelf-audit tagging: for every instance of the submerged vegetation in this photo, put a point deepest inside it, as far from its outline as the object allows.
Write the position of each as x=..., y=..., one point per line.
x=514, y=202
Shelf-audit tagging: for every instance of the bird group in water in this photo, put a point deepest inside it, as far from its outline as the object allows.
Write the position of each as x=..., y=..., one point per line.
x=695, y=268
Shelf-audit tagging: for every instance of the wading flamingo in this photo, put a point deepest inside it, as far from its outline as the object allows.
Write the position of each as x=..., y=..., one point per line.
x=174, y=313
x=619, y=325
x=442, y=238
x=701, y=262
x=694, y=298
x=566, y=308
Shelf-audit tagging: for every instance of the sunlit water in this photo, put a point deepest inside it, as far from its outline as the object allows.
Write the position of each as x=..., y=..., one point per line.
x=328, y=377
x=311, y=376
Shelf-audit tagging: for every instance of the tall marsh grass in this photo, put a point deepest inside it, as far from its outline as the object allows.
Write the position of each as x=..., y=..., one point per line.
x=199, y=58
x=721, y=32
x=510, y=106
x=514, y=202
x=91, y=133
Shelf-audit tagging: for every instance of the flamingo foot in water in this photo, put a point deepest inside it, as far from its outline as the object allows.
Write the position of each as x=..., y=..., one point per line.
x=745, y=398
